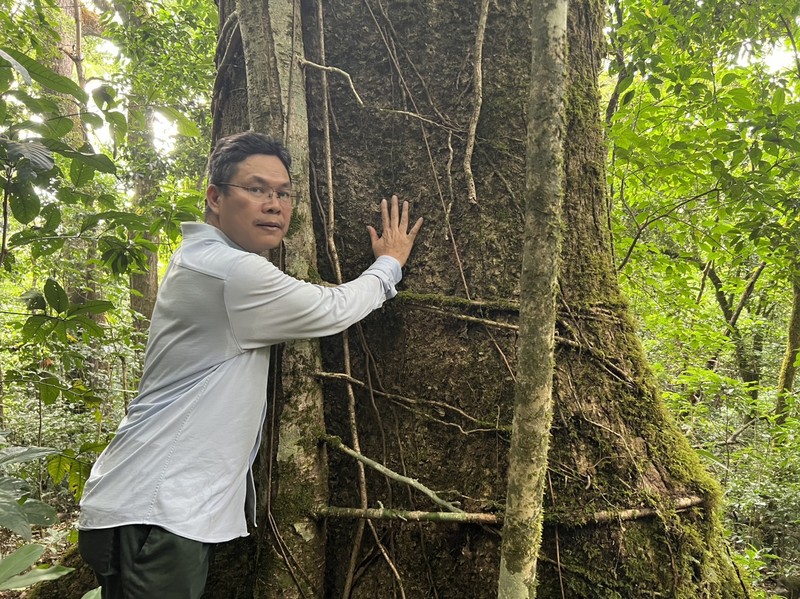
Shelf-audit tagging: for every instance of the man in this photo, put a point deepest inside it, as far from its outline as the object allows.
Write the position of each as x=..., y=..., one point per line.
x=176, y=477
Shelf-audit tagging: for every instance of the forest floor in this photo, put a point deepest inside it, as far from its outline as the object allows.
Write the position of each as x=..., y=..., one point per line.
x=55, y=540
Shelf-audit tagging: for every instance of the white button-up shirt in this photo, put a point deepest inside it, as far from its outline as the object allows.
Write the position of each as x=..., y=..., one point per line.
x=182, y=456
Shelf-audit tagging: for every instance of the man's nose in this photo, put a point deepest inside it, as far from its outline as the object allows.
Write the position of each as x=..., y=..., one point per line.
x=271, y=203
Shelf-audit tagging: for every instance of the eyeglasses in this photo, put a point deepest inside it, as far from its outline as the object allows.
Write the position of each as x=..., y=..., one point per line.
x=263, y=193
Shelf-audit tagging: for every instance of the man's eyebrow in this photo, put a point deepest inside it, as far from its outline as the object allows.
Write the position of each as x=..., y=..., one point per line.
x=257, y=179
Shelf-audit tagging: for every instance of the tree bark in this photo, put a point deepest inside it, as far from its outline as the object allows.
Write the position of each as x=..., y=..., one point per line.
x=788, y=368
x=541, y=246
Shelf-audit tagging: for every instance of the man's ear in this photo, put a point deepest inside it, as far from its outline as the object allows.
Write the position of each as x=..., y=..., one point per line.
x=213, y=197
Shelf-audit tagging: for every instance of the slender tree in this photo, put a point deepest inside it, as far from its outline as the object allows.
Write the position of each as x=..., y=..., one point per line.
x=541, y=246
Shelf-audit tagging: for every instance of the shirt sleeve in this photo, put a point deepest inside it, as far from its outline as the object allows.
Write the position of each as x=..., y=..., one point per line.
x=266, y=306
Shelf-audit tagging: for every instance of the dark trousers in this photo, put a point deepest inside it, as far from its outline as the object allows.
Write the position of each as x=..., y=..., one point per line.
x=145, y=562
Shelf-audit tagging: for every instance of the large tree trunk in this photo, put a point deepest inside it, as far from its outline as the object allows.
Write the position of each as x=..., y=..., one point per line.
x=630, y=511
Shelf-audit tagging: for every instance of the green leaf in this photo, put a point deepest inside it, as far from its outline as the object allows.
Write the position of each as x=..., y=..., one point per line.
x=93, y=120
x=52, y=218
x=35, y=576
x=99, y=162
x=87, y=325
x=59, y=126
x=19, y=561
x=60, y=331
x=78, y=475
x=14, y=486
x=19, y=454
x=25, y=205
x=90, y=307
x=58, y=467
x=93, y=446
x=49, y=389
x=41, y=158
x=16, y=66
x=778, y=100
x=39, y=513
x=37, y=327
x=94, y=594
x=104, y=96
x=13, y=518
x=47, y=77
x=80, y=173
x=46, y=246
x=185, y=125
x=56, y=296
x=741, y=97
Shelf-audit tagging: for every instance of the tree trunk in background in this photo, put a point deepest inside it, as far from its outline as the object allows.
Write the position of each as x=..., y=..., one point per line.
x=541, y=246
x=80, y=283
x=630, y=511
x=788, y=368
x=142, y=166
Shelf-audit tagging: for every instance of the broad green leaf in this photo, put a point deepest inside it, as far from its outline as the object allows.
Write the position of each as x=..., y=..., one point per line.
x=39, y=513
x=47, y=77
x=56, y=296
x=99, y=162
x=80, y=173
x=13, y=486
x=78, y=475
x=13, y=518
x=119, y=125
x=93, y=446
x=60, y=331
x=25, y=205
x=49, y=389
x=778, y=100
x=46, y=246
x=41, y=158
x=35, y=576
x=94, y=594
x=58, y=466
x=19, y=454
x=19, y=561
x=741, y=97
x=90, y=307
x=52, y=218
x=37, y=327
x=60, y=126
x=93, y=120
x=17, y=66
x=86, y=324
x=104, y=96
x=185, y=125
x=624, y=84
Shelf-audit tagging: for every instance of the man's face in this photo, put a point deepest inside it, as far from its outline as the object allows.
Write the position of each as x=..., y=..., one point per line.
x=254, y=221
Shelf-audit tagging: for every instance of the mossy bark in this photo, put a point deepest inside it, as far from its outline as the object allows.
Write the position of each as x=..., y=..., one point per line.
x=541, y=245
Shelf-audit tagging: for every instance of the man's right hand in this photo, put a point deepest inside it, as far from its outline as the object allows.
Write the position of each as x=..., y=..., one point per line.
x=396, y=240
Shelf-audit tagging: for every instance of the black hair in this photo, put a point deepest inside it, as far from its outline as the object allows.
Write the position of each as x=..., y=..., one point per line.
x=233, y=149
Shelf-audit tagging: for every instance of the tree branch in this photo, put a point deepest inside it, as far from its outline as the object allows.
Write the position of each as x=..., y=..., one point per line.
x=336, y=443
